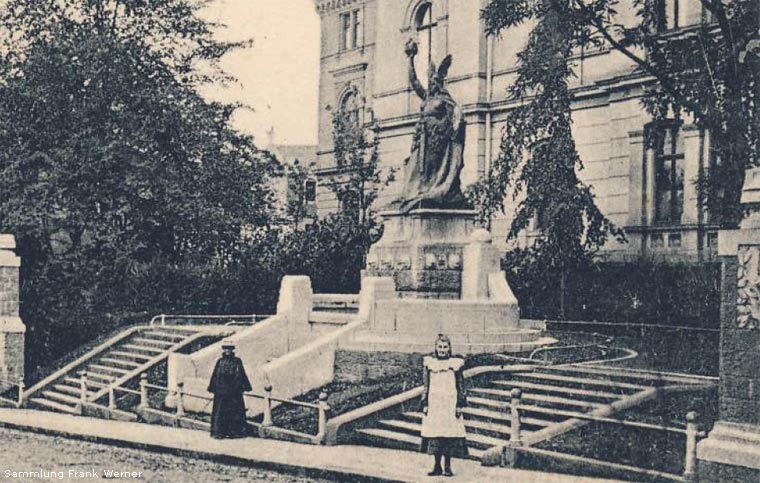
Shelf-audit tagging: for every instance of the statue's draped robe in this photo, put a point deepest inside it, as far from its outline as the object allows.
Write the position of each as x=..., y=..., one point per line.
x=228, y=383
x=433, y=169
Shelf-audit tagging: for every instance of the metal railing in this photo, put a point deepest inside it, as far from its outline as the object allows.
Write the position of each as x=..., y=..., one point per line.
x=336, y=302
x=179, y=396
x=515, y=446
x=19, y=385
x=599, y=341
x=187, y=319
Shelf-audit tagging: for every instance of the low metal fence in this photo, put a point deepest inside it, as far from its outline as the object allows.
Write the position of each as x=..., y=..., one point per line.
x=516, y=447
x=335, y=302
x=186, y=319
x=142, y=397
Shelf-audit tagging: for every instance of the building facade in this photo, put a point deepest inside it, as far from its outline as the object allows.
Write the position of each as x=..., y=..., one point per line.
x=648, y=188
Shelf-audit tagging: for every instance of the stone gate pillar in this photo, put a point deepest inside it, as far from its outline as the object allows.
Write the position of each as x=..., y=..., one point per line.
x=11, y=328
x=731, y=453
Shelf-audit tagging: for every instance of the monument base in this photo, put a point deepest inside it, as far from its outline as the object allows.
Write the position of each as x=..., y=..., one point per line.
x=434, y=273
x=730, y=454
x=422, y=251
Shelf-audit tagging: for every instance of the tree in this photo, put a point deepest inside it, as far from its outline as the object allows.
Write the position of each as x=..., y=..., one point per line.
x=297, y=209
x=359, y=180
x=112, y=162
x=701, y=71
x=538, y=156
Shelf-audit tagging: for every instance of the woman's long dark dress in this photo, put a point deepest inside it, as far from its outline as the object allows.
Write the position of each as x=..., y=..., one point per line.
x=228, y=383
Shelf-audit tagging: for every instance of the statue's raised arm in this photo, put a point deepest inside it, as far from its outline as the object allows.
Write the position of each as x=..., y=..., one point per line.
x=411, y=52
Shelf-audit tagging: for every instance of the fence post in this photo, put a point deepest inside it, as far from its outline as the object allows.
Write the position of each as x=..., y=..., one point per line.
x=21, y=387
x=111, y=397
x=143, y=391
x=692, y=429
x=180, y=399
x=163, y=319
x=82, y=391
x=267, y=421
x=514, y=437
x=323, y=408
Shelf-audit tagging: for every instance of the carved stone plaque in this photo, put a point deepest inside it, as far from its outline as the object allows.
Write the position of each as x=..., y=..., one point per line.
x=748, y=280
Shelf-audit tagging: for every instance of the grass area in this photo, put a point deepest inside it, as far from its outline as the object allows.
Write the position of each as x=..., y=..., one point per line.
x=659, y=348
x=643, y=448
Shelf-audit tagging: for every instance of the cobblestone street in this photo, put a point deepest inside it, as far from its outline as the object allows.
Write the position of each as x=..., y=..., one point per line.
x=33, y=452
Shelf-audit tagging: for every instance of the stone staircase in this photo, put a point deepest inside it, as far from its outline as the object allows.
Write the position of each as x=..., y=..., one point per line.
x=118, y=361
x=549, y=398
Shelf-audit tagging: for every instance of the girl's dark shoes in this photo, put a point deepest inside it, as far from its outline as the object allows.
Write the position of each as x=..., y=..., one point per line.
x=435, y=472
x=448, y=472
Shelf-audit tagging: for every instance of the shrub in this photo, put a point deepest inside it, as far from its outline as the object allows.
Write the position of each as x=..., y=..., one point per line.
x=686, y=294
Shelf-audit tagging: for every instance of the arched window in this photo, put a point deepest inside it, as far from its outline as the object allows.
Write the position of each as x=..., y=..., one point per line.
x=349, y=107
x=424, y=26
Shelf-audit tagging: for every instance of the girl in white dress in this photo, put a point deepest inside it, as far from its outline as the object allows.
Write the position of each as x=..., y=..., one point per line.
x=443, y=431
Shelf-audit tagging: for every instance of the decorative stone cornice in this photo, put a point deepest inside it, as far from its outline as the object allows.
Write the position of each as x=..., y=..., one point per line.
x=326, y=6
x=360, y=67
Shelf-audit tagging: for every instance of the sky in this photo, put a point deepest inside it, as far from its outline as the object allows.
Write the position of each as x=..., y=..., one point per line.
x=279, y=75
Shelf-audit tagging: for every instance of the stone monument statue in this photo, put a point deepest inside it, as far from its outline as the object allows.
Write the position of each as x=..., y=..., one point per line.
x=427, y=228
x=437, y=157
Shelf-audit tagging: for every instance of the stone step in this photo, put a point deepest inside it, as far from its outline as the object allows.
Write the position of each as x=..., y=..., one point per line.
x=404, y=441
x=74, y=381
x=541, y=399
x=548, y=388
x=160, y=334
x=46, y=403
x=583, y=382
x=330, y=317
x=480, y=441
x=101, y=378
x=400, y=440
x=620, y=375
x=122, y=362
x=476, y=425
x=60, y=397
x=142, y=348
x=152, y=342
x=130, y=355
x=73, y=390
x=504, y=417
x=95, y=368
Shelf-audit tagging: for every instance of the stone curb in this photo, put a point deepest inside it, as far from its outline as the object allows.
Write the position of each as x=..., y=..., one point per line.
x=312, y=472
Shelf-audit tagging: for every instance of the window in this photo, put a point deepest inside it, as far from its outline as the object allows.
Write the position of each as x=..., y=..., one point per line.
x=424, y=27
x=674, y=240
x=715, y=192
x=668, y=163
x=310, y=191
x=668, y=14
x=355, y=29
x=349, y=106
x=345, y=28
x=350, y=30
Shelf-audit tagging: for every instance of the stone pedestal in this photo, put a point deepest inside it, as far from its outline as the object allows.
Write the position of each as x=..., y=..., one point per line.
x=11, y=328
x=422, y=251
x=434, y=272
x=731, y=453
